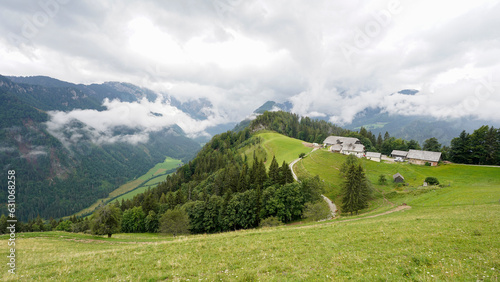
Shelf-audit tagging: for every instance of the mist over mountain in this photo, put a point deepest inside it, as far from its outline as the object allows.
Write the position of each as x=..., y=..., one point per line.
x=69, y=148
x=409, y=127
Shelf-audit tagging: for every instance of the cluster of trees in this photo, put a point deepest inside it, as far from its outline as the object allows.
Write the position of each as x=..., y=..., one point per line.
x=221, y=189
x=482, y=147
x=38, y=224
x=292, y=125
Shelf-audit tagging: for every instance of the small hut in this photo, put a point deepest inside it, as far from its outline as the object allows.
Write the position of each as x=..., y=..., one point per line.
x=398, y=178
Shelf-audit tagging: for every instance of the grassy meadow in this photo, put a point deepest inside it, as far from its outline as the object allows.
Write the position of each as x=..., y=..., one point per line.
x=451, y=233
x=423, y=244
x=282, y=147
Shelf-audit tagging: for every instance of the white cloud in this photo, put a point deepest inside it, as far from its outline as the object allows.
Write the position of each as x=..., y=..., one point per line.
x=253, y=51
x=125, y=122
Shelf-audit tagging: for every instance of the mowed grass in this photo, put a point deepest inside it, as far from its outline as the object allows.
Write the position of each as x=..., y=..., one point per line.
x=282, y=147
x=463, y=185
x=130, y=189
x=424, y=243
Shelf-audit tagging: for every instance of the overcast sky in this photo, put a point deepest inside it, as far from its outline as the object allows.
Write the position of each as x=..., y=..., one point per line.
x=327, y=57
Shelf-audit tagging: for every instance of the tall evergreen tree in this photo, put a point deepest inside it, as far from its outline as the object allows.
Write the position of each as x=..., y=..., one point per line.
x=386, y=136
x=460, y=150
x=274, y=172
x=286, y=174
x=432, y=145
x=355, y=190
x=379, y=142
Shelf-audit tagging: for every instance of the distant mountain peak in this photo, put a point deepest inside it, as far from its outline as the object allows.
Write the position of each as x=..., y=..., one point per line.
x=408, y=91
x=273, y=106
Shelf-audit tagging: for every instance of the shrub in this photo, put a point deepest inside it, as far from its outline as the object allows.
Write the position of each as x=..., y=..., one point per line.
x=64, y=226
x=270, y=222
x=302, y=155
x=382, y=180
x=432, y=180
x=174, y=222
x=317, y=211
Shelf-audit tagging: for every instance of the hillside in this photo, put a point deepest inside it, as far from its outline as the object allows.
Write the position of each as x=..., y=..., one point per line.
x=450, y=233
x=463, y=185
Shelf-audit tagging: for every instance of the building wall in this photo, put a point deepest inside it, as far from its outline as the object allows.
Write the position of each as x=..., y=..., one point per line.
x=421, y=162
x=359, y=155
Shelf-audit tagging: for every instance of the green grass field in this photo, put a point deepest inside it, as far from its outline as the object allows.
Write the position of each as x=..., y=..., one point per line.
x=282, y=147
x=423, y=244
x=450, y=234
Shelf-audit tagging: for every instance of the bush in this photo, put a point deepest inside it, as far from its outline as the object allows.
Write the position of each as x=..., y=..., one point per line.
x=302, y=155
x=64, y=226
x=270, y=222
x=432, y=180
x=175, y=222
x=382, y=180
x=317, y=211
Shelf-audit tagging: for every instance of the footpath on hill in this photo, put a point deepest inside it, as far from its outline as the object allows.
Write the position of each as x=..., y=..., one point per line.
x=331, y=205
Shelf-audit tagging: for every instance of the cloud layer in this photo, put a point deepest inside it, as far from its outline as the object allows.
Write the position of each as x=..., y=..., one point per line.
x=124, y=122
x=333, y=58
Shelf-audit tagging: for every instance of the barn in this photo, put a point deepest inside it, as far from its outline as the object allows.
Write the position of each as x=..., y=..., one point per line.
x=421, y=157
x=373, y=156
x=399, y=154
x=398, y=178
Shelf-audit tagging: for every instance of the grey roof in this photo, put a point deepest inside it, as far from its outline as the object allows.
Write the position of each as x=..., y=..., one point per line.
x=373, y=155
x=397, y=175
x=358, y=148
x=399, y=153
x=331, y=140
x=336, y=147
x=424, y=155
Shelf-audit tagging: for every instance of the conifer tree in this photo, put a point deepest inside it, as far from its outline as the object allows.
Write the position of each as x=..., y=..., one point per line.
x=355, y=190
x=286, y=174
x=274, y=172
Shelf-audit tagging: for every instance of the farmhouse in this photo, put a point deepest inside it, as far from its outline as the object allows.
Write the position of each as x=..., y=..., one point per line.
x=398, y=178
x=345, y=145
x=421, y=157
x=373, y=156
x=332, y=140
x=399, y=154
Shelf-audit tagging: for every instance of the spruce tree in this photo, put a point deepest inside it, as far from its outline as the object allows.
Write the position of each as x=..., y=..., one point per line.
x=356, y=191
x=286, y=174
x=274, y=172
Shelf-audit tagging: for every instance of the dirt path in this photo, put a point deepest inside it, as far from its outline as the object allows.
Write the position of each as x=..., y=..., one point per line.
x=398, y=208
x=331, y=205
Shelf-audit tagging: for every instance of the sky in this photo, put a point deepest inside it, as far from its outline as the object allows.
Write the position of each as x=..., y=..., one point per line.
x=329, y=58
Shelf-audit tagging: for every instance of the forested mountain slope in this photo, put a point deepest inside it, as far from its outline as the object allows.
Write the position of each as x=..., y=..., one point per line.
x=56, y=179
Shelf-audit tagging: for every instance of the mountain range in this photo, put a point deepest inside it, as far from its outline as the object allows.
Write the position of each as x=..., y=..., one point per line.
x=68, y=153
x=407, y=127
x=61, y=170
